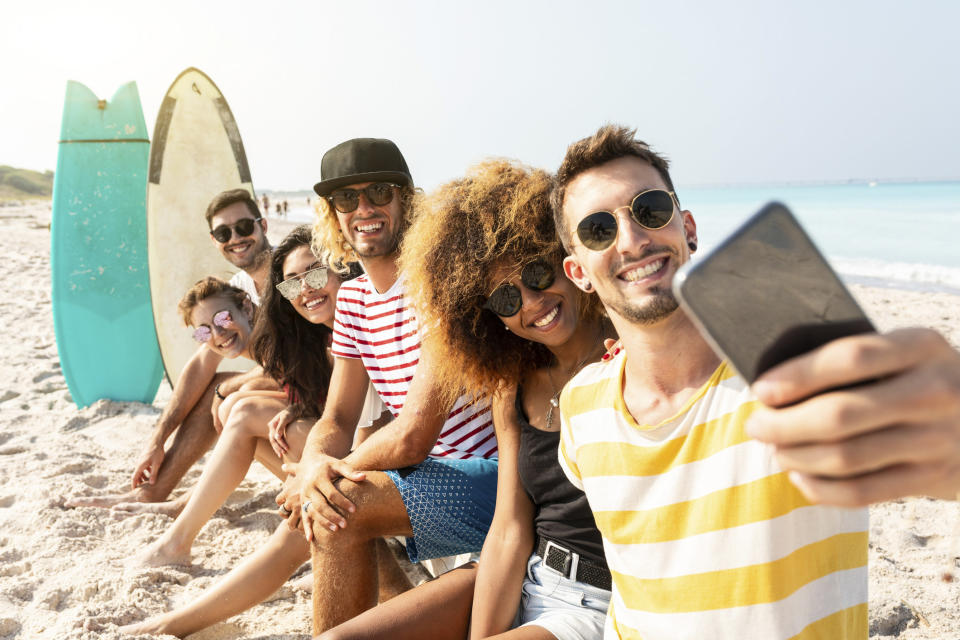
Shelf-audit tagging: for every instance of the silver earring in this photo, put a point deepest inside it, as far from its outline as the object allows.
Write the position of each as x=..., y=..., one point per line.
x=587, y=286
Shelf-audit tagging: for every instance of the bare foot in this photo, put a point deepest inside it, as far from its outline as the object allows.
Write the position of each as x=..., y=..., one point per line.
x=161, y=553
x=104, y=502
x=304, y=582
x=170, y=508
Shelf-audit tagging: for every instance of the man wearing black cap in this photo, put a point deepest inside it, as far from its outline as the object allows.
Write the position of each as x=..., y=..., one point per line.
x=430, y=474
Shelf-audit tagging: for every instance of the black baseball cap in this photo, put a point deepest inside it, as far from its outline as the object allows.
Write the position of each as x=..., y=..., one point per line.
x=362, y=160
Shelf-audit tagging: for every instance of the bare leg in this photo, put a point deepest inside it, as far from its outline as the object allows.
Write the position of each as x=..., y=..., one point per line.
x=223, y=473
x=436, y=609
x=247, y=584
x=345, y=562
x=393, y=580
x=192, y=439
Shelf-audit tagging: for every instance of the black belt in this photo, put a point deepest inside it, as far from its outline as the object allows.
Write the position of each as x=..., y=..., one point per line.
x=572, y=565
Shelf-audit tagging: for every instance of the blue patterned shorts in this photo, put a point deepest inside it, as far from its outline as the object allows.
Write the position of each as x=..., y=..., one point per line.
x=450, y=505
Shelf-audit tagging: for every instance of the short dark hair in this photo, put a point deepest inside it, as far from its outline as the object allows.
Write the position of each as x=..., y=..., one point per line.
x=232, y=196
x=610, y=142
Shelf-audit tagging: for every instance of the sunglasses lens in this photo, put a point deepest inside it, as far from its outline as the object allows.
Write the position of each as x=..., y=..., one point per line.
x=289, y=289
x=537, y=275
x=505, y=301
x=202, y=334
x=345, y=200
x=316, y=278
x=379, y=193
x=245, y=226
x=223, y=319
x=598, y=230
x=652, y=209
x=222, y=234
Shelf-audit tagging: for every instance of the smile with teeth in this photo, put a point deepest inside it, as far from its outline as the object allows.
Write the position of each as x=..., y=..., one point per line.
x=642, y=272
x=369, y=227
x=240, y=248
x=314, y=303
x=226, y=344
x=547, y=319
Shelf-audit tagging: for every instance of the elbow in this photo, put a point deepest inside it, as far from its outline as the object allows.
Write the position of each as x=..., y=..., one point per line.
x=412, y=450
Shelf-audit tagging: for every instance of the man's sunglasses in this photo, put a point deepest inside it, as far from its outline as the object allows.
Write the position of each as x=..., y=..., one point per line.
x=244, y=227
x=222, y=319
x=291, y=287
x=506, y=300
x=347, y=200
x=651, y=209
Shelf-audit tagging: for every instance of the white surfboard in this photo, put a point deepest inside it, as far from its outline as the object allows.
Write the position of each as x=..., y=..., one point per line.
x=196, y=153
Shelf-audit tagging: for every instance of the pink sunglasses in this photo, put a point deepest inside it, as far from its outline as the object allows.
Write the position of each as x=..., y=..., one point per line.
x=222, y=319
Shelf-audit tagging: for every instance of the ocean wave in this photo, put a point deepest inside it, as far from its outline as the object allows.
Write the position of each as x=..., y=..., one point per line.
x=905, y=275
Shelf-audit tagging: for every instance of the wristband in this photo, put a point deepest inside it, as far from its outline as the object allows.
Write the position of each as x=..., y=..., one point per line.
x=216, y=391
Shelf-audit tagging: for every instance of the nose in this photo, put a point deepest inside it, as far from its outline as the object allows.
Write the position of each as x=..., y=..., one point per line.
x=630, y=235
x=530, y=297
x=363, y=204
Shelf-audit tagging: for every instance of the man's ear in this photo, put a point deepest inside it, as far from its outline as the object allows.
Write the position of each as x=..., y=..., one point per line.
x=574, y=271
x=263, y=224
x=689, y=226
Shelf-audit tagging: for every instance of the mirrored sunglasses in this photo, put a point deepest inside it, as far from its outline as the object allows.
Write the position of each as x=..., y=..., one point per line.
x=244, y=227
x=347, y=200
x=506, y=300
x=291, y=287
x=651, y=210
x=222, y=319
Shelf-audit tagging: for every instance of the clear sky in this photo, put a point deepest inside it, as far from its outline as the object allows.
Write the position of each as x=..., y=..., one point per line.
x=732, y=92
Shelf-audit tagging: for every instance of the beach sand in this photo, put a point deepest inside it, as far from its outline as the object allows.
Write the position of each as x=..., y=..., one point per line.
x=62, y=571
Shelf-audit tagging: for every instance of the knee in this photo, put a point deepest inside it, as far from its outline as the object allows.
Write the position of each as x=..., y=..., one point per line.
x=241, y=418
x=361, y=524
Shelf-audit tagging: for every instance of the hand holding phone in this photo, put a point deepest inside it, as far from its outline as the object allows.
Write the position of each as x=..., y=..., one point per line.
x=854, y=416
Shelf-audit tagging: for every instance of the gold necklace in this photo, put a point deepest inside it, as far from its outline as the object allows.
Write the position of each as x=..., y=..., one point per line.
x=555, y=400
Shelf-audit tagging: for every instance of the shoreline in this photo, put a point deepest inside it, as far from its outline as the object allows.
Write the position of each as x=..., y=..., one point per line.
x=63, y=572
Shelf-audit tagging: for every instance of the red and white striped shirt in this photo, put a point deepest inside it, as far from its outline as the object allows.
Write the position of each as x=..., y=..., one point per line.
x=381, y=330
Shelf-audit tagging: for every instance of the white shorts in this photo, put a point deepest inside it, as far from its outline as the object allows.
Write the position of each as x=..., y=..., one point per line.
x=567, y=609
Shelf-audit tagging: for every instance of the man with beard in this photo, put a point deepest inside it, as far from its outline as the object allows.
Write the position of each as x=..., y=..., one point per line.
x=430, y=474
x=707, y=499
x=239, y=233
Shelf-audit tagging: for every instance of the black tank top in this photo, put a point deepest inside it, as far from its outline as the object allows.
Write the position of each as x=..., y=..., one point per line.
x=562, y=513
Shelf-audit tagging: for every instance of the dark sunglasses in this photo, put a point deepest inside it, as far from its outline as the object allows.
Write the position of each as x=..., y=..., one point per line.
x=506, y=300
x=244, y=227
x=222, y=319
x=651, y=209
x=315, y=278
x=347, y=200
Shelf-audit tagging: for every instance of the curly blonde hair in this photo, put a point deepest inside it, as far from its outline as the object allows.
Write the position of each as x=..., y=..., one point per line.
x=497, y=215
x=328, y=238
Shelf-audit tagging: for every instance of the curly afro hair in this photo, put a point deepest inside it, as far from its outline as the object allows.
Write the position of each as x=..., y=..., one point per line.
x=497, y=215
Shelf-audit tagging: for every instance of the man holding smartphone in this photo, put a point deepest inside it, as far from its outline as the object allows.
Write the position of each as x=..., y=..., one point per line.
x=704, y=528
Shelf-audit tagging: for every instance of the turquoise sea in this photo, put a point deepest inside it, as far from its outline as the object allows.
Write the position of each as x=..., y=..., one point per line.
x=888, y=234
x=904, y=235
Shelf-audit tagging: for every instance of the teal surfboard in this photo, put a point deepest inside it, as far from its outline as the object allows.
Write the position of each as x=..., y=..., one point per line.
x=102, y=313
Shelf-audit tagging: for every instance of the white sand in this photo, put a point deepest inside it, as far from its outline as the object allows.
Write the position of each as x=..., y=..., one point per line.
x=62, y=572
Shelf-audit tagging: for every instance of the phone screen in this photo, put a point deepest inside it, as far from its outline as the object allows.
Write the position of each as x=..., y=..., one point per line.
x=766, y=294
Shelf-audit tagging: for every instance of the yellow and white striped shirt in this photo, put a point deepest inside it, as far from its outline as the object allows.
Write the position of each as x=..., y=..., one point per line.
x=704, y=534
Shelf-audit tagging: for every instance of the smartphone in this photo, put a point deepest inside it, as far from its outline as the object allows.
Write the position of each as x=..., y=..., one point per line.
x=766, y=294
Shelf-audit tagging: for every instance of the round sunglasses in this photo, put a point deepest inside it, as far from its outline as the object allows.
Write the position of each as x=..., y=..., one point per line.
x=244, y=227
x=652, y=209
x=506, y=300
x=347, y=200
x=222, y=319
x=315, y=278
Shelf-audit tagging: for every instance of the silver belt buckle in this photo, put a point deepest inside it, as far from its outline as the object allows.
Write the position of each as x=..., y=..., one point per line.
x=574, y=560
